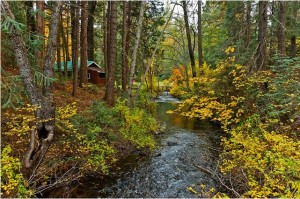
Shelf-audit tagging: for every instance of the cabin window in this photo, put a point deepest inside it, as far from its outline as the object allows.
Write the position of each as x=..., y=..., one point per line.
x=102, y=75
x=89, y=76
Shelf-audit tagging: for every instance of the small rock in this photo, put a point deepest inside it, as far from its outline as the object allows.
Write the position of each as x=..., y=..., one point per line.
x=171, y=143
x=156, y=155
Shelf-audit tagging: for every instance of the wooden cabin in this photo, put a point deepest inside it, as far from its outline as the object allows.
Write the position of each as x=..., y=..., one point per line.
x=95, y=73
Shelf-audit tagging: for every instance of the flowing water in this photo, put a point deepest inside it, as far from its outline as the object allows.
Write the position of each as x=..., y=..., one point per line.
x=171, y=168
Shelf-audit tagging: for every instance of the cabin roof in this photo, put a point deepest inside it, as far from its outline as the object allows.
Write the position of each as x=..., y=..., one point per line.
x=69, y=65
x=99, y=70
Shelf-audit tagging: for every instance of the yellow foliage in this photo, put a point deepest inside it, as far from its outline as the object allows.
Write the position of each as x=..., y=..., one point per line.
x=269, y=160
x=63, y=116
x=12, y=181
x=262, y=150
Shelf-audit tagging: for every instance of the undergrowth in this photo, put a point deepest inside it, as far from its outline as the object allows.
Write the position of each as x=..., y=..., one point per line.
x=260, y=114
x=84, y=143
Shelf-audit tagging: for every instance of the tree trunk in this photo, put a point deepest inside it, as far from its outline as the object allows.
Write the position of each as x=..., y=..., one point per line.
x=281, y=27
x=248, y=25
x=75, y=45
x=45, y=99
x=124, y=40
x=262, y=57
x=128, y=41
x=105, y=44
x=58, y=55
x=294, y=27
x=65, y=46
x=90, y=30
x=41, y=29
x=109, y=94
x=30, y=18
x=200, y=54
x=188, y=34
x=83, y=40
x=134, y=53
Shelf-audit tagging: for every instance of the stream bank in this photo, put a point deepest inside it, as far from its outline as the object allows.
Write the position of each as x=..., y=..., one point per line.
x=170, y=169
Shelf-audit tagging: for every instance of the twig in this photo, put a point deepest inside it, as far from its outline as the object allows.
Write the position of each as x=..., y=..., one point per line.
x=207, y=171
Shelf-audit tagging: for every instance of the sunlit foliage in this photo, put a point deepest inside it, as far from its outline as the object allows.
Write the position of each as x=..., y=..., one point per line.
x=260, y=113
x=12, y=181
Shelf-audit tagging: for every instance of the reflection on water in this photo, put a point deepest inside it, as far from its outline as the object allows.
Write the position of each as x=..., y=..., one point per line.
x=174, y=119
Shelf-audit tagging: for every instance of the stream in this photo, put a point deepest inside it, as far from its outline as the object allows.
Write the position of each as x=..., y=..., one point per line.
x=171, y=168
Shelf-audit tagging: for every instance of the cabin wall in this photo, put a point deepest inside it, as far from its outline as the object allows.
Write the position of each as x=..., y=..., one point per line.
x=95, y=79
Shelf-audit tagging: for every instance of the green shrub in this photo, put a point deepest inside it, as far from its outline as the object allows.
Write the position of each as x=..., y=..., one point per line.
x=137, y=126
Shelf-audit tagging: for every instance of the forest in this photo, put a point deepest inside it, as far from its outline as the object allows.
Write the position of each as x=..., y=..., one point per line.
x=154, y=98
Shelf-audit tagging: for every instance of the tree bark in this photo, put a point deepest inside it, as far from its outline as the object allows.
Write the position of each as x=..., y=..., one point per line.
x=109, y=94
x=41, y=28
x=248, y=25
x=75, y=45
x=90, y=30
x=134, y=53
x=30, y=18
x=83, y=40
x=200, y=53
x=262, y=57
x=45, y=99
x=105, y=44
x=65, y=45
x=124, y=40
x=58, y=55
x=294, y=27
x=128, y=41
x=281, y=27
x=188, y=34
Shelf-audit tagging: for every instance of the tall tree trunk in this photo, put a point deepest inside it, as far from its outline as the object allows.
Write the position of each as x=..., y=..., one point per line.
x=262, y=57
x=75, y=45
x=134, y=53
x=41, y=28
x=30, y=18
x=104, y=44
x=58, y=54
x=83, y=47
x=273, y=31
x=281, y=27
x=124, y=40
x=200, y=54
x=90, y=30
x=188, y=34
x=248, y=25
x=128, y=41
x=65, y=45
x=43, y=100
x=294, y=29
x=107, y=43
x=109, y=94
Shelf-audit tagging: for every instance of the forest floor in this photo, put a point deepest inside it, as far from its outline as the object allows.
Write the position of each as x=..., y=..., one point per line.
x=84, y=98
x=62, y=91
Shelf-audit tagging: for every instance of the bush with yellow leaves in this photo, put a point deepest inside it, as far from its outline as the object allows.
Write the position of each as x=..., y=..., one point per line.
x=260, y=112
x=13, y=184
